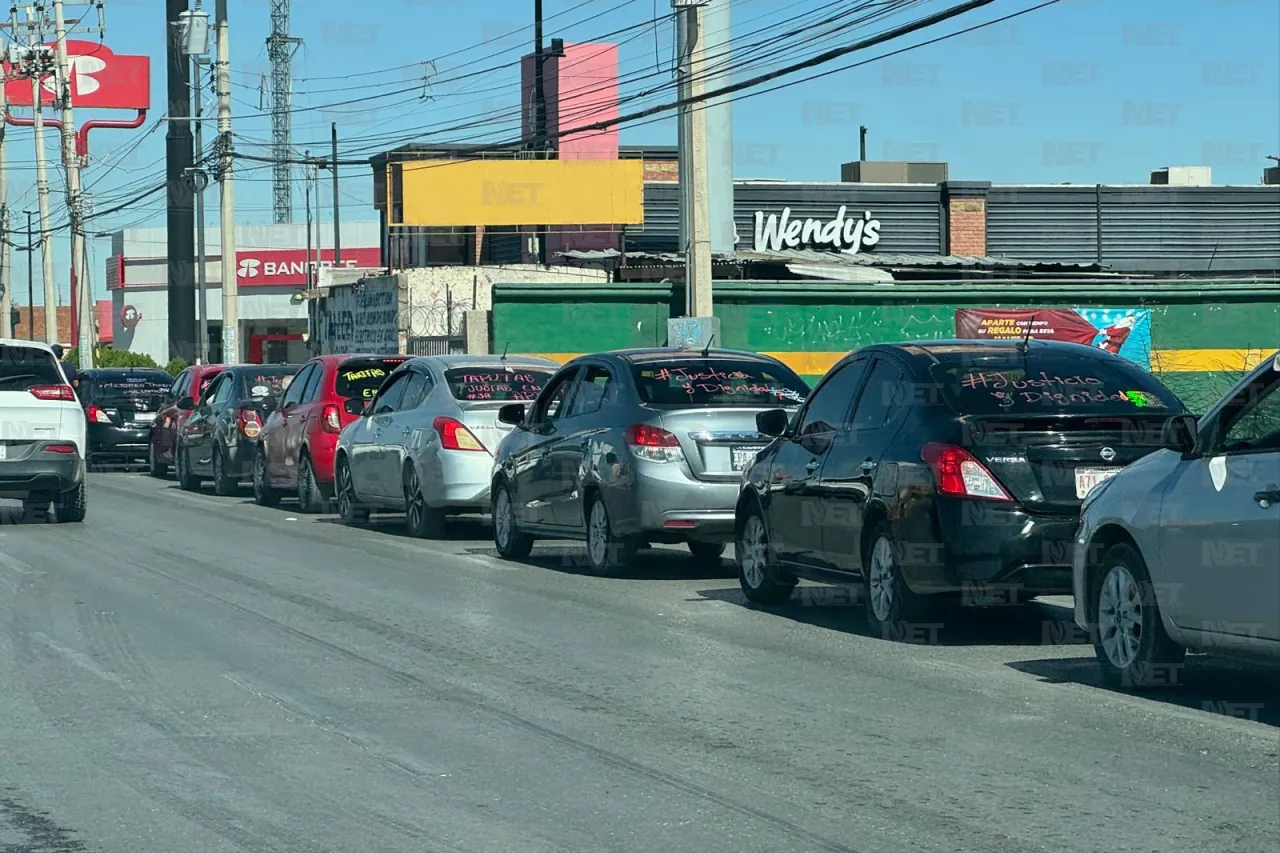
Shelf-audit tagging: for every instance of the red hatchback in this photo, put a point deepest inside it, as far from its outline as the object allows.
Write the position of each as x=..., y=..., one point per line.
x=297, y=444
x=192, y=383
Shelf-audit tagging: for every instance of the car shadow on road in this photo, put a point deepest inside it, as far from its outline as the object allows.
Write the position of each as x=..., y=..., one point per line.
x=840, y=608
x=1215, y=685
x=570, y=558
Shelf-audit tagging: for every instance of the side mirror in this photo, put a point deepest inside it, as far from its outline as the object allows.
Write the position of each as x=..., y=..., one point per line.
x=354, y=406
x=186, y=404
x=512, y=414
x=773, y=422
x=1180, y=433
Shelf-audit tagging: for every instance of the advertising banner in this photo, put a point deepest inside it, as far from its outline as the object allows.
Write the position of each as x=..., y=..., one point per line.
x=99, y=79
x=288, y=267
x=1125, y=332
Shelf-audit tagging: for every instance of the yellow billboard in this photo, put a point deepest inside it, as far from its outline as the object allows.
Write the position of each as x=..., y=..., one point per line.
x=520, y=192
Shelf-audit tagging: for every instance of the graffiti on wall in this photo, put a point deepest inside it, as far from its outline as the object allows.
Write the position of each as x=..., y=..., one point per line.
x=362, y=318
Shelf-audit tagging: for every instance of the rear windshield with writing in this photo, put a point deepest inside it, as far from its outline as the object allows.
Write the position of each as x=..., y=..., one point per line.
x=146, y=389
x=718, y=382
x=268, y=382
x=361, y=379
x=1049, y=384
x=23, y=368
x=507, y=386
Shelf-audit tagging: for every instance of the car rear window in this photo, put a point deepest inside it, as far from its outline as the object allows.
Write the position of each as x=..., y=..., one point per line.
x=360, y=379
x=264, y=382
x=515, y=385
x=125, y=389
x=718, y=382
x=206, y=381
x=1051, y=384
x=23, y=368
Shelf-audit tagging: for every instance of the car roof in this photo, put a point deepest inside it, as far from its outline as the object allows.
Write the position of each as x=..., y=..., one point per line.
x=459, y=361
x=937, y=351
x=124, y=371
x=643, y=354
x=19, y=342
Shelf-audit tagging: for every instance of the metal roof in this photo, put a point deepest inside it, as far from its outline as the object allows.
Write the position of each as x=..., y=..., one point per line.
x=809, y=256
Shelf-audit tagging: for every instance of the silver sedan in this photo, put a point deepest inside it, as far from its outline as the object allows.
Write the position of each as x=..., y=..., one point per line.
x=424, y=444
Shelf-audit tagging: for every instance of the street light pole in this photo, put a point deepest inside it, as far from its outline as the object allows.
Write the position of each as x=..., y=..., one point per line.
x=193, y=30
x=31, y=278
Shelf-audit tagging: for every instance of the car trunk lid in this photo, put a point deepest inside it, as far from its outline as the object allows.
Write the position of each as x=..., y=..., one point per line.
x=718, y=441
x=481, y=417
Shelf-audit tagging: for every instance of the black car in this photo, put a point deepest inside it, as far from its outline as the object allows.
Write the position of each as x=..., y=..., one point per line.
x=120, y=404
x=218, y=440
x=942, y=469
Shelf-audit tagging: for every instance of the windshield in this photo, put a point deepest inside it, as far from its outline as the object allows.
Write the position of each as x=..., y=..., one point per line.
x=1051, y=384
x=470, y=383
x=114, y=390
x=359, y=379
x=267, y=382
x=23, y=368
x=718, y=382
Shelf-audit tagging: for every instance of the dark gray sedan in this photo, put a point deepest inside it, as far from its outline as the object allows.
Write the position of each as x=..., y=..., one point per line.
x=636, y=446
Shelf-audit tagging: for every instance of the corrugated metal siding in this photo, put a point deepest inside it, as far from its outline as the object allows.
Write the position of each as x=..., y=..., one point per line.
x=1043, y=224
x=661, y=229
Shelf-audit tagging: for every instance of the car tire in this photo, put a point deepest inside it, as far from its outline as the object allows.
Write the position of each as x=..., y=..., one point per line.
x=349, y=509
x=1133, y=648
x=423, y=521
x=187, y=481
x=72, y=506
x=757, y=567
x=511, y=542
x=310, y=498
x=155, y=467
x=263, y=493
x=892, y=607
x=607, y=553
x=707, y=552
x=223, y=486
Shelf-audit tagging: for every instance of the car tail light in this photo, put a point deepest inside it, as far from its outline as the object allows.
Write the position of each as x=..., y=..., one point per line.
x=53, y=392
x=454, y=435
x=60, y=448
x=332, y=421
x=654, y=443
x=249, y=423
x=960, y=475
x=98, y=416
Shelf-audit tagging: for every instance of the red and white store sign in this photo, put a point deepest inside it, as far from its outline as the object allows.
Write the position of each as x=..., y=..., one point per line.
x=288, y=267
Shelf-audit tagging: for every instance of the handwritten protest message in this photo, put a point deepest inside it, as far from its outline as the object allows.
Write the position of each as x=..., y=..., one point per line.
x=1075, y=389
x=520, y=387
x=713, y=382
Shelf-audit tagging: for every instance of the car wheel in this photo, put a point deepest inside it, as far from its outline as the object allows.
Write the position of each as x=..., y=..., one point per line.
x=223, y=486
x=263, y=494
x=608, y=554
x=310, y=498
x=155, y=467
x=507, y=538
x=757, y=569
x=891, y=606
x=709, y=552
x=1131, y=643
x=72, y=506
x=349, y=509
x=423, y=521
x=186, y=480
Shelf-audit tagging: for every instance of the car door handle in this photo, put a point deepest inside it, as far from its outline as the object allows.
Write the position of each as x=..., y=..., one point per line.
x=812, y=466
x=868, y=466
x=1267, y=497
x=406, y=430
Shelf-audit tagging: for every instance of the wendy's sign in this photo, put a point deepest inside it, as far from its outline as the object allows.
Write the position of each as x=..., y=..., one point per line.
x=100, y=80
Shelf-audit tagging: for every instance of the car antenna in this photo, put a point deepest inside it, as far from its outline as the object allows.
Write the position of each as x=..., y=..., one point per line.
x=706, y=351
x=1025, y=343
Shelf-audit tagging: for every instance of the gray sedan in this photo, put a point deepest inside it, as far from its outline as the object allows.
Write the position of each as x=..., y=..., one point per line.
x=636, y=446
x=1181, y=550
x=424, y=444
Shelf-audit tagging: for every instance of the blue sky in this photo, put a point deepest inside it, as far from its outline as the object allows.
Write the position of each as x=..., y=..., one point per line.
x=1082, y=91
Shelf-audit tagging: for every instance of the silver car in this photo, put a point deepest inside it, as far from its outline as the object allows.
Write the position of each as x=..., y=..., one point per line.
x=424, y=444
x=1181, y=550
x=637, y=446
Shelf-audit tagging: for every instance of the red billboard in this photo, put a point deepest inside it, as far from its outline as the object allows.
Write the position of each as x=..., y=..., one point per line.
x=100, y=80
x=288, y=267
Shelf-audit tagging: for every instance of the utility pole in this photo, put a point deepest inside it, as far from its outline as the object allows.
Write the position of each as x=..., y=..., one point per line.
x=540, y=113
x=75, y=203
x=280, y=49
x=694, y=202
x=337, y=232
x=227, y=207
x=31, y=278
x=6, y=269
x=181, y=209
x=193, y=30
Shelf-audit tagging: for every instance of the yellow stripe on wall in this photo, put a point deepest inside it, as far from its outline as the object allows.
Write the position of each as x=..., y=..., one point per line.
x=1162, y=361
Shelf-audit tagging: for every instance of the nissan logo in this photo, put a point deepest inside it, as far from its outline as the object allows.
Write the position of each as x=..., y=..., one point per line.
x=1108, y=454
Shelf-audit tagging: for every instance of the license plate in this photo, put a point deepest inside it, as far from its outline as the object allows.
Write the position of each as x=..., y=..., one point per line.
x=144, y=417
x=1087, y=479
x=743, y=457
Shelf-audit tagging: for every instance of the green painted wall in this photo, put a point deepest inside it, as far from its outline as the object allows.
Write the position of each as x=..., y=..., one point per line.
x=579, y=318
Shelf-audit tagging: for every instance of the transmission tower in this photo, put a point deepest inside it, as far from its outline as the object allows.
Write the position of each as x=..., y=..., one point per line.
x=280, y=49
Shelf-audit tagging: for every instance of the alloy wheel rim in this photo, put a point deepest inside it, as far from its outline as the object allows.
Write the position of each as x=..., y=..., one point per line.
x=751, y=548
x=1120, y=615
x=414, y=502
x=344, y=490
x=304, y=484
x=880, y=579
x=598, y=534
x=502, y=519
x=260, y=475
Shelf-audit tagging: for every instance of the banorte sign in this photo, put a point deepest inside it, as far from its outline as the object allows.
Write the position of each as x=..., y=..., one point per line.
x=100, y=80
x=288, y=267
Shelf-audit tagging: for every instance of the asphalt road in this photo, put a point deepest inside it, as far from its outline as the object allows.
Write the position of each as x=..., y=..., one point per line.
x=189, y=673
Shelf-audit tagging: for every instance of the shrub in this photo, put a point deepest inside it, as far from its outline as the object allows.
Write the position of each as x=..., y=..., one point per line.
x=176, y=365
x=111, y=357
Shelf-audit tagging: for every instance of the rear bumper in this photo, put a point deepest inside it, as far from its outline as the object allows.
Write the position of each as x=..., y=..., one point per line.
x=458, y=479
x=46, y=474
x=112, y=440
x=664, y=500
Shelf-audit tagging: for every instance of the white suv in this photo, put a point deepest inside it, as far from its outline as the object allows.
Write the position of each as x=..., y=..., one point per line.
x=42, y=433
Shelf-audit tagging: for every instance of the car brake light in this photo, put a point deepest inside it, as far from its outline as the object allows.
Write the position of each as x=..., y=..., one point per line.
x=959, y=474
x=331, y=422
x=98, y=416
x=53, y=392
x=454, y=435
x=654, y=443
x=60, y=448
x=249, y=423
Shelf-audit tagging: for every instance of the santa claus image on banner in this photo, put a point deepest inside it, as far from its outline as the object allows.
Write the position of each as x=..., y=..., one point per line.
x=1114, y=336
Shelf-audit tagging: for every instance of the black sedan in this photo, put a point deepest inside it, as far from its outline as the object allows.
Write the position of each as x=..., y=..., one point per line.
x=219, y=440
x=120, y=405
x=944, y=469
